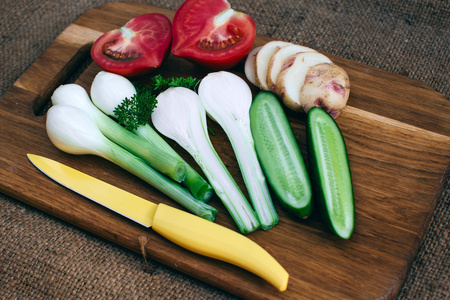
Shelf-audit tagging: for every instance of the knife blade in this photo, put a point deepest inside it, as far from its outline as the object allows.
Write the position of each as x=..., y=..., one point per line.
x=182, y=228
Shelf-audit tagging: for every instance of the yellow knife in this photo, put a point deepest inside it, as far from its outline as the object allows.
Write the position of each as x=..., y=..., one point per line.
x=182, y=228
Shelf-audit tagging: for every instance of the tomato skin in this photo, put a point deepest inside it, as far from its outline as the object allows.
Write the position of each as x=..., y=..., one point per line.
x=198, y=37
x=137, y=48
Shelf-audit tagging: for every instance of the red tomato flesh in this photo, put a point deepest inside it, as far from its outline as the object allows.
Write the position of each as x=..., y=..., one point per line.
x=211, y=34
x=137, y=48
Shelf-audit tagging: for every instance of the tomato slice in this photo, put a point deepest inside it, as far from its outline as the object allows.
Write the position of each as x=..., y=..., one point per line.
x=137, y=48
x=211, y=34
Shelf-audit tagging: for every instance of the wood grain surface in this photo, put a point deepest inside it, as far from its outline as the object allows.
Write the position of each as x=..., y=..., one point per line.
x=398, y=137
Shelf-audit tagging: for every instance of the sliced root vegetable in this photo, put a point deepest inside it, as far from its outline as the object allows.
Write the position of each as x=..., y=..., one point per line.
x=250, y=66
x=262, y=61
x=326, y=86
x=292, y=77
x=277, y=60
x=300, y=76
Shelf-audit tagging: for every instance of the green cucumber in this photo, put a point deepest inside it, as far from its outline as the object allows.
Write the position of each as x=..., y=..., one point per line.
x=279, y=155
x=331, y=172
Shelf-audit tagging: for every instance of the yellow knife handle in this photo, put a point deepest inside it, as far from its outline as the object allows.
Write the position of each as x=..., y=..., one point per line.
x=216, y=241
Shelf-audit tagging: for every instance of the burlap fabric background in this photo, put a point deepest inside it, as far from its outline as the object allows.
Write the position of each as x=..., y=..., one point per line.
x=44, y=258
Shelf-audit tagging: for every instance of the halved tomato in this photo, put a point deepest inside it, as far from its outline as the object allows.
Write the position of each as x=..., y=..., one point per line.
x=211, y=34
x=137, y=48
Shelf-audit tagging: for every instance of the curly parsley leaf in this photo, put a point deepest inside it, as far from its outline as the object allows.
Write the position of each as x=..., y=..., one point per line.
x=161, y=84
x=136, y=111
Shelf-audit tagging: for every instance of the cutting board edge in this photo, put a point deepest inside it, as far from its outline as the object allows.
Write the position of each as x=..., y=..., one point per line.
x=424, y=85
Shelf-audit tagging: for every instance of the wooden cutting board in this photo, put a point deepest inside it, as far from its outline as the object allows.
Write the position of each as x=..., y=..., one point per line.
x=398, y=138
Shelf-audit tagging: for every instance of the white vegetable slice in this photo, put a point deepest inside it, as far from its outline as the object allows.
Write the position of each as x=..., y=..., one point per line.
x=250, y=67
x=277, y=60
x=262, y=61
x=181, y=117
x=227, y=98
x=292, y=77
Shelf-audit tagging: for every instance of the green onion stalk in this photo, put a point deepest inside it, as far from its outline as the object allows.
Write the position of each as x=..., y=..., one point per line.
x=181, y=117
x=227, y=99
x=73, y=131
x=117, y=97
x=75, y=95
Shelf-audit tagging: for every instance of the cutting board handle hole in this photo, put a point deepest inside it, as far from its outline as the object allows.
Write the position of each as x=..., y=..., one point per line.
x=68, y=74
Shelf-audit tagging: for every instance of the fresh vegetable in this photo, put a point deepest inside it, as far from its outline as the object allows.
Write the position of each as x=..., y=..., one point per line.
x=135, y=110
x=181, y=116
x=227, y=99
x=75, y=95
x=331, y=172
x=73, y=131
x=117, y=97
x=333, y=84
x=262, y=59
x=292, y=76
x=280, y=155
x=250, y=66
x=137, y=48
x=277, y=60
x=301, y=77
x=211, y=34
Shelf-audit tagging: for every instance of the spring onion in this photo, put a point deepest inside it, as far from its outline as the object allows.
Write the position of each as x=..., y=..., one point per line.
x=73, y=131
x=75, y=95
x=109, y=91
x=181, y=116
x=227, y=99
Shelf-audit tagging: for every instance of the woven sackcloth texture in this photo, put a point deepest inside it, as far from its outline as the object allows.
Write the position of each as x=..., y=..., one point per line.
x=42, y=257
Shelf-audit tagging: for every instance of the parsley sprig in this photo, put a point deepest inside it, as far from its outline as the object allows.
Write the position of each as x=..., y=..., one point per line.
x=136, y=111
